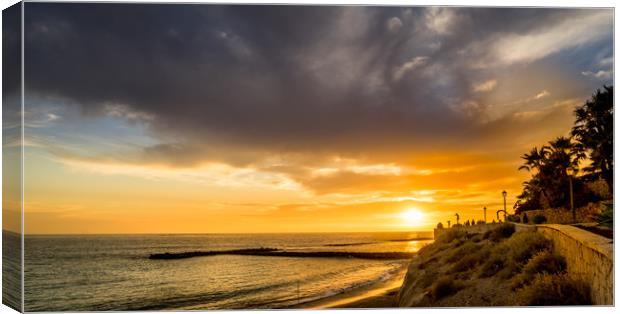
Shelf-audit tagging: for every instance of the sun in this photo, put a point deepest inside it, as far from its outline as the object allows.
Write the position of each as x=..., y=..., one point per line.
x=412, y=217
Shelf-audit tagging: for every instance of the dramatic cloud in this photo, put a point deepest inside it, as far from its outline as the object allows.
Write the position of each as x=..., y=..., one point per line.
x=486, y=86
x=536, y=44
x=242, y=84
x=394, y=24
x=409, y=66
x=440, y=20
x=599, y=74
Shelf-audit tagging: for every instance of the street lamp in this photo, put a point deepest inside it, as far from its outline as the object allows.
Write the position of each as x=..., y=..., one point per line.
x=504, y=195
x=485, y=214
x=570, y=171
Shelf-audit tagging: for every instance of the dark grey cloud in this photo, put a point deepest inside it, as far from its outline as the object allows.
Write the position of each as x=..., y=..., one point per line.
x=265, y=79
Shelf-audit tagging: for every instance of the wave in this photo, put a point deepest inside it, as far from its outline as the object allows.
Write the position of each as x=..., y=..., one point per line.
x=384, y=276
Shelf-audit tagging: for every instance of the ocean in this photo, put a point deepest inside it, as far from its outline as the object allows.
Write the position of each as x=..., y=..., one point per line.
x=114, y=272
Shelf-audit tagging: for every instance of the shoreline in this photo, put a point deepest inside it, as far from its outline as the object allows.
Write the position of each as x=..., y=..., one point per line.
x=381, y=294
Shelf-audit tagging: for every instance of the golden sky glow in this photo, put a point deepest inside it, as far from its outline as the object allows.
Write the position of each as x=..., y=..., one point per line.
x=119, y=198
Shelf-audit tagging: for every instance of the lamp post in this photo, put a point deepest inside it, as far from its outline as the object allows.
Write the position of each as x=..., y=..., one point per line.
x=504, y=195
x=485, y=214
x=569, y=172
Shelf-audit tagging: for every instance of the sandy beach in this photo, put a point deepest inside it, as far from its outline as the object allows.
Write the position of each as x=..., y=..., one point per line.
x=377, y=295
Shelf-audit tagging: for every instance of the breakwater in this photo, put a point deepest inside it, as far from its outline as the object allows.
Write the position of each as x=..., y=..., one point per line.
x=279, y=253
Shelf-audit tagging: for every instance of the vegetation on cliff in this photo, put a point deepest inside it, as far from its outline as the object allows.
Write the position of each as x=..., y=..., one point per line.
x=498, y=268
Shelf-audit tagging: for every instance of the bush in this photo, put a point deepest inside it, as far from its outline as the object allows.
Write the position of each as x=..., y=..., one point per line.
x=510, y=269
x=443, y=287
x=467, y=248
x=607, y=216
x=509, y=256
x=539, y=219
x=424, y=264
x=430, y=251
x=480, y=222
x=477, y=238
x=555, y=290
x=600, y=189
x=427, y=278
x=545, y=262
x=492, y=266
x=466, y=263
x=500, y=232
x=523, y=245
x=451, y=235
x=513, y=218
x=470, y=261
x=440, y=226
x=525, y=219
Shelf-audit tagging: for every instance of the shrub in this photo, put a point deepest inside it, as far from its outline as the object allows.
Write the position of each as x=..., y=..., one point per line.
x=509, y=256
x=429, y=251
x=466, y=263
x=510, y=269
x=451, y=235
x=513, y=218
x=443, y=287
x=467, y=248
x=492, y=266
x=500, y=232
x=523, y=245
x=539, y=219
x=600, y=189
x=544, y=262
x=477, y=238
x=440, y=226
x=480, y=222
x=560, y=289
x=427, y=278
x=606, y=218
x=525, y=219
x=470, y=261
x=424, y=264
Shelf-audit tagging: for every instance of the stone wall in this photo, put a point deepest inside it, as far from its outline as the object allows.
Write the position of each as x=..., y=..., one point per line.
x=589, y=256
x=587, y=213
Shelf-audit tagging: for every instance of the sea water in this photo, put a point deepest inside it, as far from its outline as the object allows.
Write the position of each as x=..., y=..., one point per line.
x=113, y=272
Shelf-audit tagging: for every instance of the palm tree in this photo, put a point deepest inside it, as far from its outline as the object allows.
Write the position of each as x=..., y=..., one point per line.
x=562, y=154
x=594, y=131
x=534, y=160
x=549, y=182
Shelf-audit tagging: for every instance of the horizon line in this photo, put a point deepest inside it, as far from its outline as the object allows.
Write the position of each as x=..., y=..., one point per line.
x=204, y=233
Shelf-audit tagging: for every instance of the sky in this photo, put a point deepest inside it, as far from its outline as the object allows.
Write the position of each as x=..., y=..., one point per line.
x=231, y=118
